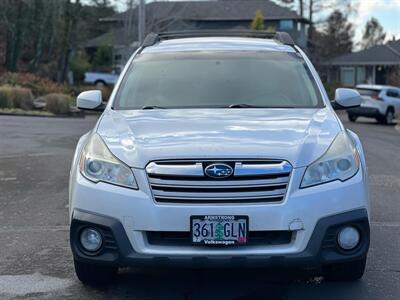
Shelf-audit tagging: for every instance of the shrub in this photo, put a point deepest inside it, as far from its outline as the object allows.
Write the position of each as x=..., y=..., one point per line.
x=16, y=97
x=38, y=85
x=5, y=97
x=58, y=103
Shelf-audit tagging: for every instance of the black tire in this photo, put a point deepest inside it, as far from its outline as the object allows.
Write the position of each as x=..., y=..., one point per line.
x=389, y=116
x=352, y=118
x=350, y=271
x=93, y=274
x=100, y=84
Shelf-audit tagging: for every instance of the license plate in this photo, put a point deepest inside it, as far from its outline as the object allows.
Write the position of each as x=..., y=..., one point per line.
x=219, y=230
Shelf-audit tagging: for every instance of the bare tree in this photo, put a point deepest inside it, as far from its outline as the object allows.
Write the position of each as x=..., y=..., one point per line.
x=373, y=34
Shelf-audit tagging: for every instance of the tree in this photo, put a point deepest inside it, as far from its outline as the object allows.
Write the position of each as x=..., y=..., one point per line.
x=373, y=34
x=102, y=58
x=337, y=38
x=14, y=16
x=40, y=36
x=258, y=21
x=79, y=65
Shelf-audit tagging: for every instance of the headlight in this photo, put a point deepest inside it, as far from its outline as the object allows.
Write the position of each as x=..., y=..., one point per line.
x=340, y=162
x=97, y=164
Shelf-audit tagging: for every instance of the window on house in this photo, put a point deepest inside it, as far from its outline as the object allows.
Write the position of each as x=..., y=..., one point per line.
x=347, y=76
x=286, y=24
x=361, y=76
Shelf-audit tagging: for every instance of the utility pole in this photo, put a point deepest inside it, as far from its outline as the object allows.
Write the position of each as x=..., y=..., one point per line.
x=141, y=21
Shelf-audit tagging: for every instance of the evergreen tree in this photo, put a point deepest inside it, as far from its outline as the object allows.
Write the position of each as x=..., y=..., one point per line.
x=258, y=21
x=337, y=38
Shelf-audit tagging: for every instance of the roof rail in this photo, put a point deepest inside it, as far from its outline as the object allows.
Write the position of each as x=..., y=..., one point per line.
x=153, y=38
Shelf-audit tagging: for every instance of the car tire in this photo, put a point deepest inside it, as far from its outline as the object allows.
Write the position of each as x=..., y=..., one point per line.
x=91, y=274
x=350, y=271
x=389, y=116
x=352, y=118
x=100, y=84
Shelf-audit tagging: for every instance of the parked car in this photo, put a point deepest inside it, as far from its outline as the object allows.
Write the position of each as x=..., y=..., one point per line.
x=217, y=150
x=381, y=102
x=100, y=79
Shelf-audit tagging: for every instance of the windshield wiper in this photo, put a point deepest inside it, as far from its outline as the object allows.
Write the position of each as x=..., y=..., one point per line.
x=242, y=105
x=152, y=107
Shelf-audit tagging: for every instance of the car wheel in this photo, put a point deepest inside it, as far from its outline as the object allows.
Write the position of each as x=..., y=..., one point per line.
x=389, y=117
x=352, y=118
x=100, y=84
x=93, y=274
x=350, y=271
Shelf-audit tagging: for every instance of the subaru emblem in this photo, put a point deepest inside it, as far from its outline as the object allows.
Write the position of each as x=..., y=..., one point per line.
x=218, y=171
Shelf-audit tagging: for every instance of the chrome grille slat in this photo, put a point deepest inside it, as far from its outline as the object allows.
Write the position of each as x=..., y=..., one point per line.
x=229, y=183
x=219, y=198
x=214, y=188
x=184, y=181
x=220, y=195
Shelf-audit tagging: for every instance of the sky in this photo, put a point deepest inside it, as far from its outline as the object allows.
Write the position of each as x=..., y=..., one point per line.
x=386, y=11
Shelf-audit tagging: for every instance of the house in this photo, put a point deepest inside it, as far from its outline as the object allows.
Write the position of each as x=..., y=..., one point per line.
x=376, y=65
x=197, y=15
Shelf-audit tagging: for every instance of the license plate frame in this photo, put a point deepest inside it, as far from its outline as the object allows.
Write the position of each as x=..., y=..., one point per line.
x=224, y=219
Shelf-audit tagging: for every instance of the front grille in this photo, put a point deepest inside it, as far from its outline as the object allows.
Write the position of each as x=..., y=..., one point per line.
x=182, y=238
x=252, y=181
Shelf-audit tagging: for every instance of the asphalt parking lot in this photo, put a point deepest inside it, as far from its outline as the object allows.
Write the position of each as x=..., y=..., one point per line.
x=35, y=259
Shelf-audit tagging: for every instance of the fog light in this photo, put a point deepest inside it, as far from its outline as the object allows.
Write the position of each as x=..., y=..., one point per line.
x=348, y=238
x=91, y=239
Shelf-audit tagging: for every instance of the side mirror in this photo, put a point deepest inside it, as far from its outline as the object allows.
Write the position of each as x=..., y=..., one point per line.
x=90, y=100
x=346, y=98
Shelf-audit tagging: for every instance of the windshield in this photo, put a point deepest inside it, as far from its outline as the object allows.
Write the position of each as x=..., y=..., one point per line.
x=218, y=79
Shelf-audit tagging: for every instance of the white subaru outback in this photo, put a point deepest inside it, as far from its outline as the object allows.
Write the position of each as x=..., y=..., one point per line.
x=219, y=150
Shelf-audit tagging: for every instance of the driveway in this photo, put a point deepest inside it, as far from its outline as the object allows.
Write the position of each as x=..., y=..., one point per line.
x=35, y=259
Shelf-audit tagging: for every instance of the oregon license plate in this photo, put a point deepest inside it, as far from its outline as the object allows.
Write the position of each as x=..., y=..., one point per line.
x=219, y=230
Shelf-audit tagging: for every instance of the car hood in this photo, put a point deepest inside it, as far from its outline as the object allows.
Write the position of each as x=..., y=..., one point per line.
x=299, y=136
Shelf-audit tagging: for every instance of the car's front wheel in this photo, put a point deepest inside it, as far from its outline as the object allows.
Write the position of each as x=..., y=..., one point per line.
x=350, y=271
x=93, y=274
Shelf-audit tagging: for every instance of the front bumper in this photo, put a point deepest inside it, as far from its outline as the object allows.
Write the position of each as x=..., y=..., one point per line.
x=138, y=213
x=365, y=111
x=322, y=248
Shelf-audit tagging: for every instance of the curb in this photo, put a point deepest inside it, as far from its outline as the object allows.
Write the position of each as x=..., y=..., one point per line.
x=79, y=115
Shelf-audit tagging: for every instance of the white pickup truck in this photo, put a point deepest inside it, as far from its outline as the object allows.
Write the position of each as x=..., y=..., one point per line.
x=100, y=79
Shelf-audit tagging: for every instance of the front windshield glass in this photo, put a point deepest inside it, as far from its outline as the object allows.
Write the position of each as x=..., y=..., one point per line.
x=218, y=79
